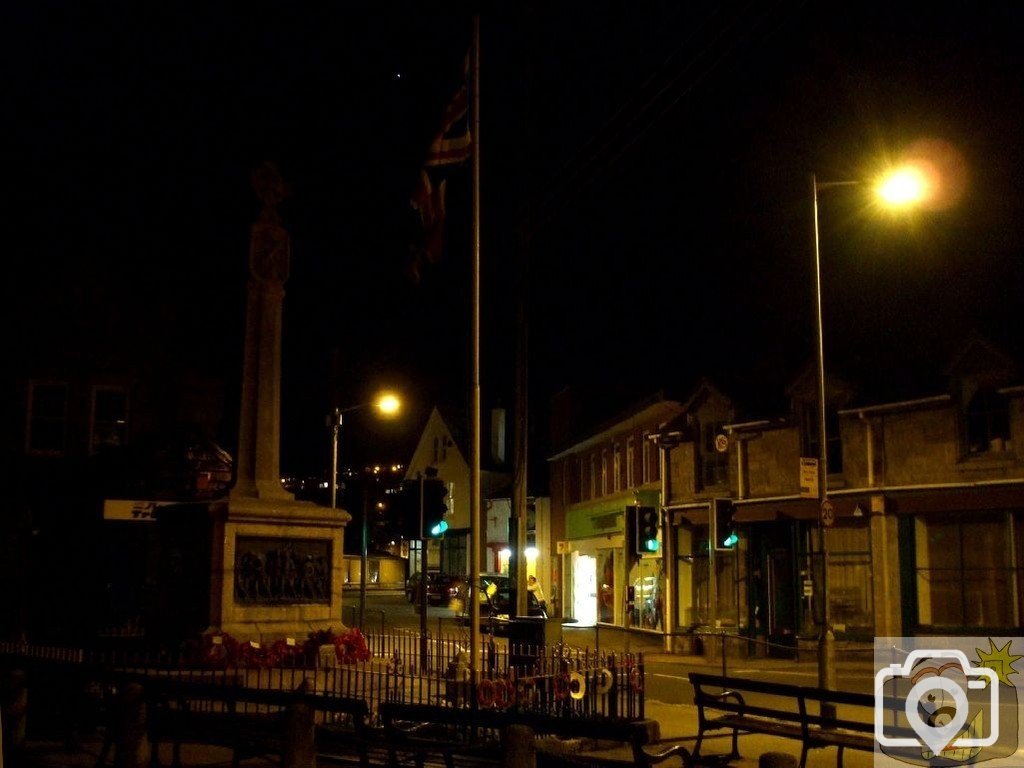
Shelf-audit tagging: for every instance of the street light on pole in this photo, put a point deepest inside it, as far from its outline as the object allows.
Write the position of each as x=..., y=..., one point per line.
x=387, y=405
x=898, y=188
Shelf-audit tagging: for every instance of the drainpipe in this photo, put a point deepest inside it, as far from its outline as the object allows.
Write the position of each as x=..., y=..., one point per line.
x=741, y=468
x=869, y=438
x=668, y=552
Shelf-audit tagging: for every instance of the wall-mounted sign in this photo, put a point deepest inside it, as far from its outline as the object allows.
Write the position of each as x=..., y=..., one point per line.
x=808, y=478
x=562, y=547
x=131, y=509
x=721, y=443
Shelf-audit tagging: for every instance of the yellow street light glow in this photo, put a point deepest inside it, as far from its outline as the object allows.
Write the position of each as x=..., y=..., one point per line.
x=903, y=186
x=388, y=404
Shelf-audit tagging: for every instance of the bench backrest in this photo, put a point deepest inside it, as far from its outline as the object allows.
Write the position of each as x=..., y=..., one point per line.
x=848, y=710
x=708, y=692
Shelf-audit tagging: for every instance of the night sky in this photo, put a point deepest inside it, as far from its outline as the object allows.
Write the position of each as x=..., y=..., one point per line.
x=654, y=164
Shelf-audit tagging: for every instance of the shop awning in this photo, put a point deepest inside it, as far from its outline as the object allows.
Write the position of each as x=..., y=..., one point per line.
x=797, y=509
x=956, y=500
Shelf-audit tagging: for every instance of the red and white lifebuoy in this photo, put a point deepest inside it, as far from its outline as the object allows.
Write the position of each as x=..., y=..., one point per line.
x=636, y=680
x=502, y=694
x=561, y=686
x=485, y=693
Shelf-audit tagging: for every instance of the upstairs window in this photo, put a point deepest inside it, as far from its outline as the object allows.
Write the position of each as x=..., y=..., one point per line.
x=47, y=418
x=617, y=467
x=714, y=465
x=109, y=418
x=631, y=463
x=832, y=437
x=988, y=422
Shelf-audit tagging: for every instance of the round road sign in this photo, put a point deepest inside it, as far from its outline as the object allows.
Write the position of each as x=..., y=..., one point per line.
x=828, y=513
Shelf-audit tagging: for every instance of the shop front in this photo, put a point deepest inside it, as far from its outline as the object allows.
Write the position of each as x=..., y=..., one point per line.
x=609, y=582
x=757, y=570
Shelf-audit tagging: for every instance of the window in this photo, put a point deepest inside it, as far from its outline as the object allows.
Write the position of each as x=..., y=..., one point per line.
x=617, y=467
x=988, y=422
x=648, y=475
x=714, y=465
x=631, y=463
x=109, y=418
x=593, y=476
x=832, y=437
x=604, y=472
x=47, y=418
x=966, y=573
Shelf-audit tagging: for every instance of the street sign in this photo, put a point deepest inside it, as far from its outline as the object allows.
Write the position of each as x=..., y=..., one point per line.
x=808, y=478
x=828, y=513
x=721, y=443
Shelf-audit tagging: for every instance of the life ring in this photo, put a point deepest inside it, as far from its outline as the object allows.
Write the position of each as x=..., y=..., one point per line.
x=577, y=686
x=561, y=686
x=636, y=680
x=485, y=693
x=603, y=680
x=501, y=694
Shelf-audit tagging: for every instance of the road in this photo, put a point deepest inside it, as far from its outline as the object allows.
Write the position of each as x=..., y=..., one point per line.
x=666, y=675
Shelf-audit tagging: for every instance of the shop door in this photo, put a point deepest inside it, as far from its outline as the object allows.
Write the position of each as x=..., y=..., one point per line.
x=773, y=599
x=584, y=590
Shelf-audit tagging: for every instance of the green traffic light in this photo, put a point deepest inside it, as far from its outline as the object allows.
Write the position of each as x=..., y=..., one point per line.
x=440, y=528
x=731, y=540
x=651, y=545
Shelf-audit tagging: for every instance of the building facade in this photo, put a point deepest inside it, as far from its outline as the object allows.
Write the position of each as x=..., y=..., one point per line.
x=928, y=511
x=599, y=484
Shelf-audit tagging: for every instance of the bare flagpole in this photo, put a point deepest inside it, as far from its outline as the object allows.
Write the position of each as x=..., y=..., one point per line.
x=474, y=468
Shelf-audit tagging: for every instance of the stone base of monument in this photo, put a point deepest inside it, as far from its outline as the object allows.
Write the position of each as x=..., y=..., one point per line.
x=277, y=569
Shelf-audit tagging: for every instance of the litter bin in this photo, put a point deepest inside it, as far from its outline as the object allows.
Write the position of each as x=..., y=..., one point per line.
x=528, y=636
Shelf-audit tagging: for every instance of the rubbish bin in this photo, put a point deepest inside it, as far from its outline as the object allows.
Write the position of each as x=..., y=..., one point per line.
x=528, y=636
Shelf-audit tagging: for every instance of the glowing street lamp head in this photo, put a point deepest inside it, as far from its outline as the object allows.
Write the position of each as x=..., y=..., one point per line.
x=388, y=404
x=904, y=186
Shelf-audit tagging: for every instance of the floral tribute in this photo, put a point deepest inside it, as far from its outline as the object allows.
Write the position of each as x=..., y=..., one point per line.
x=219, y=649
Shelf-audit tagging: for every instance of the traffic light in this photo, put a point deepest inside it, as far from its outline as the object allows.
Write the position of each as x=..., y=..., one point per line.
x=405, y=505
x=435, y=507
x=647, y=525
x=724, y=531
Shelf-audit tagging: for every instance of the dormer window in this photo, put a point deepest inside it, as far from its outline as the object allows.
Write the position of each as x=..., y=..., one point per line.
x=714, y=464
x=833, y=437
x=988, y=422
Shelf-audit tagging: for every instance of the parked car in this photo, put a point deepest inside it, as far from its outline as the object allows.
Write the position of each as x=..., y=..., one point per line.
x=441, y=588
x=496, y=601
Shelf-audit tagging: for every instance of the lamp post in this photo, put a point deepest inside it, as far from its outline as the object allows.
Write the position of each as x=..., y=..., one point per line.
x=387, y=405
x=899, y=187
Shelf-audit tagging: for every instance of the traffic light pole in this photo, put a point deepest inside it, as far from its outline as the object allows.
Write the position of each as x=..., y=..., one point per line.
x=423, y=586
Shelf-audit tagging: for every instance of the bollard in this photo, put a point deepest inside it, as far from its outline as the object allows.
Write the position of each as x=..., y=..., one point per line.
x=520, y=749
x=130, y=739
x=300, y=731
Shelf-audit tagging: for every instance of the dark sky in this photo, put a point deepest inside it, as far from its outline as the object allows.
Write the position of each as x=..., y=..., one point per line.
x=652, y=158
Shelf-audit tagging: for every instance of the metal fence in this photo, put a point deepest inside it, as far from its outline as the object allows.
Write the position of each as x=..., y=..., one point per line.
x=555, y=680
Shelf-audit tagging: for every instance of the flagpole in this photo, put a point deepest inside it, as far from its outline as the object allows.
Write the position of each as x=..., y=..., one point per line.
x=474, y=469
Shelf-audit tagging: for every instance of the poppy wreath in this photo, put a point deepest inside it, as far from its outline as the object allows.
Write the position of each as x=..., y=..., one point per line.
x=351, y=647
x=219, y=649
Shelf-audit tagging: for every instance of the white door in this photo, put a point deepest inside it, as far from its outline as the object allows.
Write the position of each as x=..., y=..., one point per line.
x=584, y=589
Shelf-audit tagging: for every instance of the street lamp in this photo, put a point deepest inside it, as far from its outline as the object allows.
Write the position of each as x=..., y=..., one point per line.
x=387, y=404
x=901, y=187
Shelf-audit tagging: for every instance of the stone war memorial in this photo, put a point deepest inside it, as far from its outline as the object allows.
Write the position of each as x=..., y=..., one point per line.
x=276, y=563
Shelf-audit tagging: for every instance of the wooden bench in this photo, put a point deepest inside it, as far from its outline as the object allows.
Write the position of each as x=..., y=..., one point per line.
x=806, y=714
x=477, y=736
x=254, y=721
x=250, y=722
